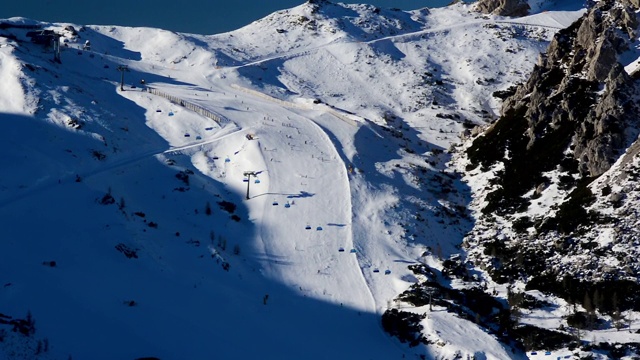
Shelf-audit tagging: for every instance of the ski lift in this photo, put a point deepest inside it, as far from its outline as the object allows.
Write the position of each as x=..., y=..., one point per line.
x=209, y=128
x=319, y=228
x=353, y=251
x=308, y=227
x=198, y=137
x=158, y=110
x=257, y=181
x=187, y=135
x=287, y=205
x=227, y=160
x=275, y=203
x=245, y=180
x=376, y=270
x=170, y=113
x=341, y=249
x=387, y=272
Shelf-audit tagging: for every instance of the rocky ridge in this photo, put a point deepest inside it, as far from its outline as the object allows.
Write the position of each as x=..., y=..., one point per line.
x=503, y=7
x=554, y=213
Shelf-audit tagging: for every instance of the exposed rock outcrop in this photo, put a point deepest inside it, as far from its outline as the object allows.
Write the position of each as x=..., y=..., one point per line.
x=576, y=108
x=562, y=129
x=503, y=7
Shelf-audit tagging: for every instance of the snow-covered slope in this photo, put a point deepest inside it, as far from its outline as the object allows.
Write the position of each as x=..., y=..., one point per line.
x=126, y=232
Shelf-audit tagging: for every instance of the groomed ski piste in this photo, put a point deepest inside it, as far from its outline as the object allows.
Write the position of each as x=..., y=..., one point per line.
x=127, y=231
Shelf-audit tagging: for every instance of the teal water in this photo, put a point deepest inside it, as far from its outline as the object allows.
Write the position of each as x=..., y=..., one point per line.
x=192, y=16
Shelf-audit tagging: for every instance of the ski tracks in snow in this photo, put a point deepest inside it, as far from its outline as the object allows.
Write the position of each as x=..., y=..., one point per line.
x=324, y=262
x=70, y=176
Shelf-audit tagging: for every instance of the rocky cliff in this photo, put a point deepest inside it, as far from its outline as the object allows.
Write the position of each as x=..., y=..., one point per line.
x=503, y=7
x=556, y=156
x=576, y=112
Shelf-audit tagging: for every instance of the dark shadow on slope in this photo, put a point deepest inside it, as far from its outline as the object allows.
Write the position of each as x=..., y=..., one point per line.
x=272, y=258
x=266, y=75
x=381, y=22
x=39, y=155
x=301, y=194
x=434, y=203
x=387, y=47
x=220, y=55
x=102, y=44
x=189, y=321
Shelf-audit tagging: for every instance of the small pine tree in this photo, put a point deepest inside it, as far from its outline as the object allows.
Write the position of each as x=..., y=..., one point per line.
x=597, y=299
x=587, y=304
x=30, y=324
x=618, y=320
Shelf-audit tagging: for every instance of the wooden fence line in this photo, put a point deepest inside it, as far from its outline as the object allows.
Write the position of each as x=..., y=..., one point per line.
x=191, y=106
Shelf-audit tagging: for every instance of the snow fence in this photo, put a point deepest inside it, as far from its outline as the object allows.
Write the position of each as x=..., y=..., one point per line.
x=191, y=106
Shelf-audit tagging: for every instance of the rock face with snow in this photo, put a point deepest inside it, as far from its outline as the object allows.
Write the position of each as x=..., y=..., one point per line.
x=575, y=109
x=503, y=7
x=565, y=127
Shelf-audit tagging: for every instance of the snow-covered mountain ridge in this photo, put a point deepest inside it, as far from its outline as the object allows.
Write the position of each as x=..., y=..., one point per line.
x=125, y=213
